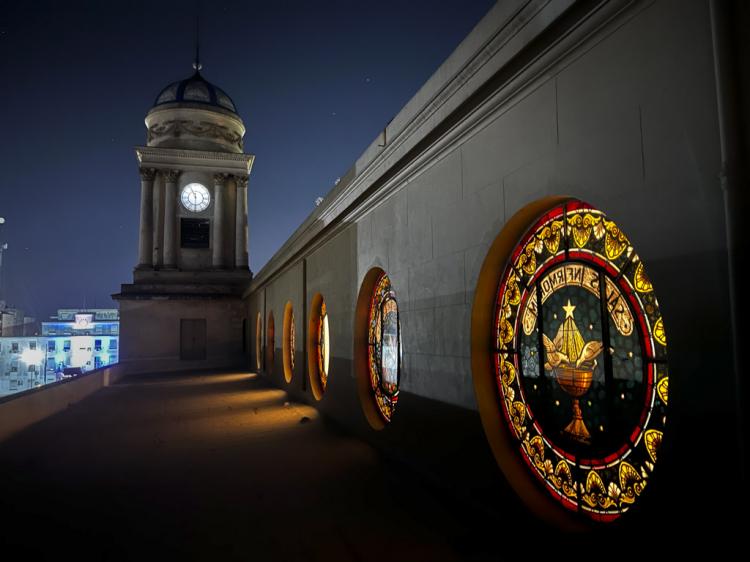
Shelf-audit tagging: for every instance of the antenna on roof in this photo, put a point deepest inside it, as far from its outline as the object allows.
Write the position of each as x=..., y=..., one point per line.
x=197, y=64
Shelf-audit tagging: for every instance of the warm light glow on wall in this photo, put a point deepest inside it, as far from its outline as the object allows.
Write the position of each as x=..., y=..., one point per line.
x=259, y=342
x=270, y=343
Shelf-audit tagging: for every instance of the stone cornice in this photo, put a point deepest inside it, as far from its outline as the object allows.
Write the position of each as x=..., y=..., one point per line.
x=403, y=132
x=170, y=158
x=415, y=120
x=511, y=27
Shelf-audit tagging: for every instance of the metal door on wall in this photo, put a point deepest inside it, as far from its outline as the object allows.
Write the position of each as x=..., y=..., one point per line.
x=193, y=338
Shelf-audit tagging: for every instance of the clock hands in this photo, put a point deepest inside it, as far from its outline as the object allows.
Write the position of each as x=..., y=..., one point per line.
x=195, y=197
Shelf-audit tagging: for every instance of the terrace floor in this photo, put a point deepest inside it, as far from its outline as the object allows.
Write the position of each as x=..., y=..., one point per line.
x=213, y=467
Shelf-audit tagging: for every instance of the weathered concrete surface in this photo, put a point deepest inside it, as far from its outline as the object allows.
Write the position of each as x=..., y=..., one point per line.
x=150, y=333
x=215, y=467
x=19, y=411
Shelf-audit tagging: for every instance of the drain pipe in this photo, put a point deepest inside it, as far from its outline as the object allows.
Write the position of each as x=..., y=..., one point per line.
x=730, y=123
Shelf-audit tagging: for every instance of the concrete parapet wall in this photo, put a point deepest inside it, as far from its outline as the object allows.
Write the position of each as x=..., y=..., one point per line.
x=19, y=411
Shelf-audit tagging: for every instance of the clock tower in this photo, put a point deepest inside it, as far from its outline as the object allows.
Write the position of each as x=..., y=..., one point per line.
x=183, y=308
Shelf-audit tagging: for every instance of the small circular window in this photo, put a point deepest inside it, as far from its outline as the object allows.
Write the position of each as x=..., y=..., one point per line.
x=319, y=347
x=259, y=342
x=288, y=343
x=195, y=197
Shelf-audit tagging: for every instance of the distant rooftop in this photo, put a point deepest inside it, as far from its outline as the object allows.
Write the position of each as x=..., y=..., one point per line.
x=98, y=314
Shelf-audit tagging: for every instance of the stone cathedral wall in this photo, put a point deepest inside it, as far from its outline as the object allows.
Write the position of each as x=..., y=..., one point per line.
x=614, y=104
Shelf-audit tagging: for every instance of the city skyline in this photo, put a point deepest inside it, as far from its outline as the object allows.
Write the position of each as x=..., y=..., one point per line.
x=71, y=223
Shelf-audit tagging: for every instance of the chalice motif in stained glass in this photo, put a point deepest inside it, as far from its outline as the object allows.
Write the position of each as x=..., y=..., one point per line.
x=572, y=361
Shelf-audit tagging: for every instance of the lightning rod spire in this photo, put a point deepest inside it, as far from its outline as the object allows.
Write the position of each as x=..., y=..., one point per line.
x=197, y=64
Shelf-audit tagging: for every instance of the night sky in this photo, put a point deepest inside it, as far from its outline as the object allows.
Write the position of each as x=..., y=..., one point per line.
x=314, y=82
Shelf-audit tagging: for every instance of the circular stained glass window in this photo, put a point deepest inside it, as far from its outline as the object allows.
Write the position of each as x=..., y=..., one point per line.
x=289, y=344
x=581, y=361
x=319, y=347
x=292, y=343
x=195, y=197
x=258, y=342
x=324, y=346
x=384, y=350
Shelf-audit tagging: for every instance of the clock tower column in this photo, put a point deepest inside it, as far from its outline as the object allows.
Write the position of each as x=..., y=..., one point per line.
x=240, y=225
x=146, y=231
x=170, y=218
x=217, y=257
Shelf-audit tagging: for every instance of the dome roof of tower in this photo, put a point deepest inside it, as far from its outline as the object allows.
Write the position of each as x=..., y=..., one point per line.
x=198, y=90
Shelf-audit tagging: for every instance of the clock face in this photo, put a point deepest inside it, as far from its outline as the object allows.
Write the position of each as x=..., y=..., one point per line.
x=195, y=197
